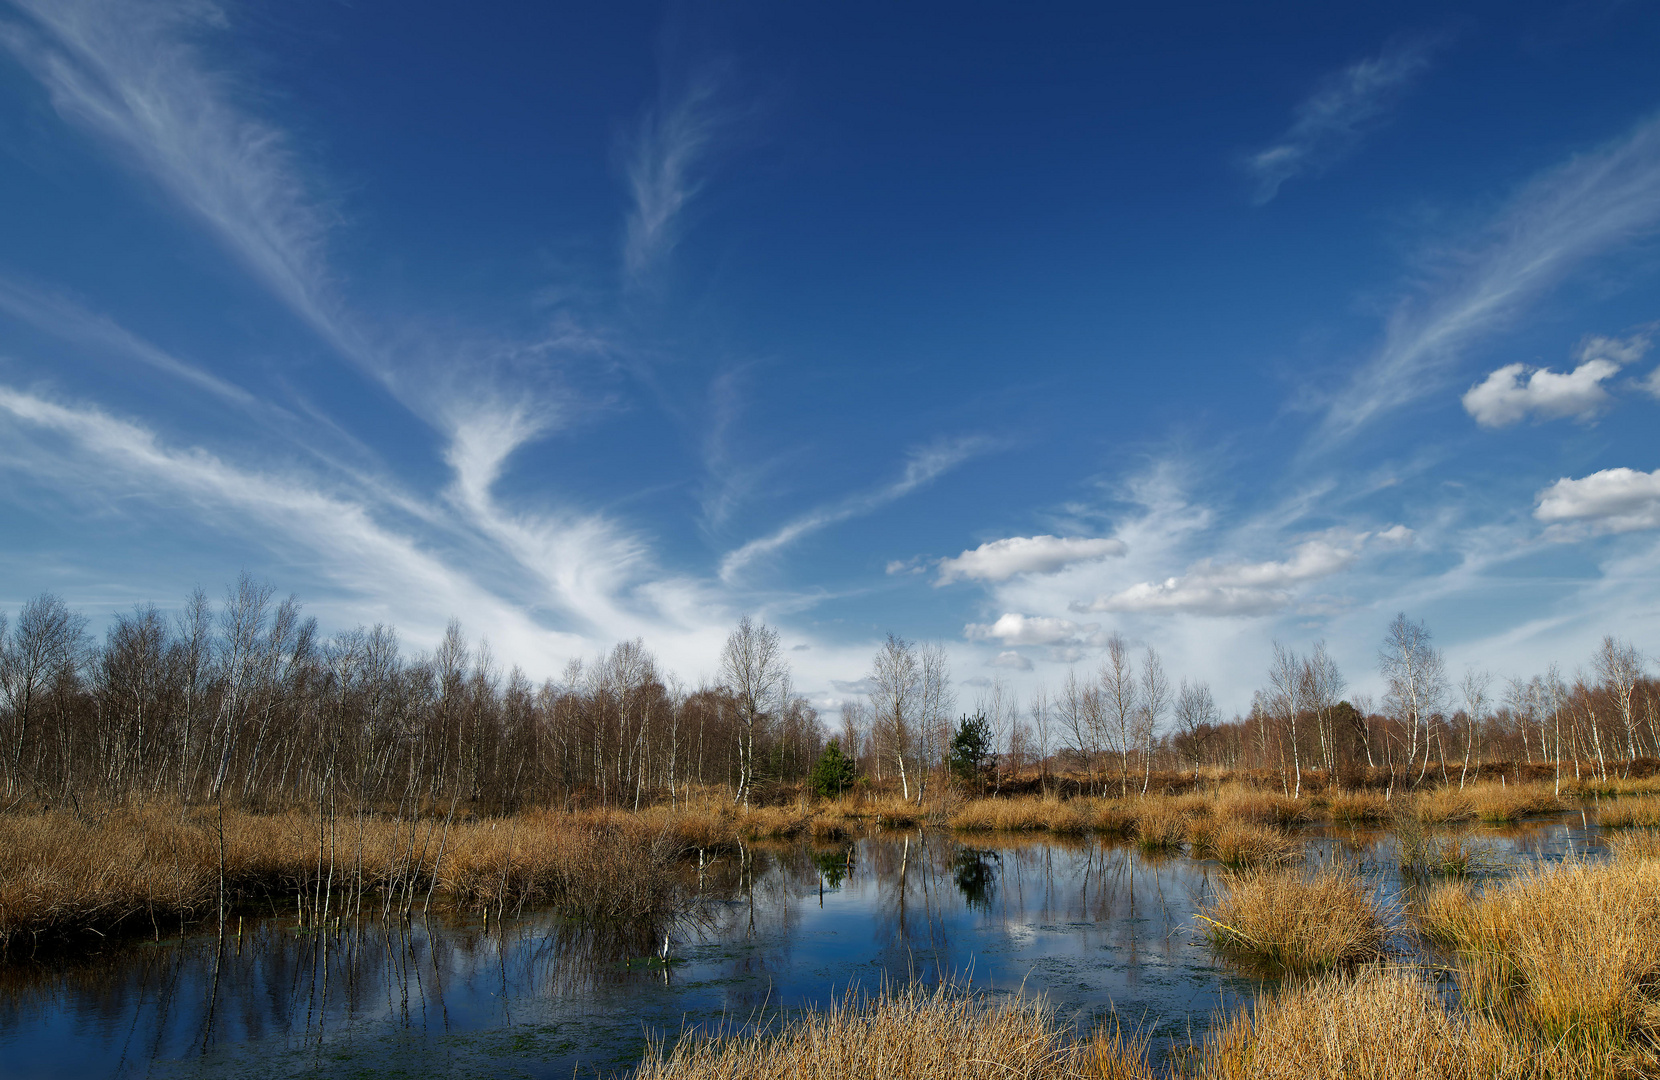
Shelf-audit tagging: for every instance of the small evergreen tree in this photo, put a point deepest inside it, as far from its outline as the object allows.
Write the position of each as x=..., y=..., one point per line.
x=833, y=772
x=970, y=746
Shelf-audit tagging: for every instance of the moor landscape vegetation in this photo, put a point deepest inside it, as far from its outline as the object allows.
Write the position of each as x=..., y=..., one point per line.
x=225, y=761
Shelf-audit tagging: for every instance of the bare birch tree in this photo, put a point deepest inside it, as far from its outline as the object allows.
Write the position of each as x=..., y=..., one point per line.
x=1474, y=687
x=1120, y=699
x=1154, y=702
x=1415, y=674
x=753, y=670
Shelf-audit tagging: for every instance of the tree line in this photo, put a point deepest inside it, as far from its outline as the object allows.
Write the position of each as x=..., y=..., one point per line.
x=247, y=701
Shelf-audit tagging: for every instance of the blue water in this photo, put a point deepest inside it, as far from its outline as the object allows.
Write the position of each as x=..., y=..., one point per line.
x=1092, y=926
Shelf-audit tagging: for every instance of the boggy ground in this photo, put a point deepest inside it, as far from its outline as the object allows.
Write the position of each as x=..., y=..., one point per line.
x=66, y=874
x=1556, y=971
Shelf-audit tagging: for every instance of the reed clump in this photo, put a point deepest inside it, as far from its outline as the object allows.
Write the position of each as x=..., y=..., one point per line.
x=912, y=1033
x=1160, y=827
x=1358, y=808
x=1262, y=807
x=1640, y=812
x=1499, y=804
x=1296, y=921
x=1636, y=844
x=1570, y=954
x=1023, y=815
x=1240, y=845
x=1380, y=1024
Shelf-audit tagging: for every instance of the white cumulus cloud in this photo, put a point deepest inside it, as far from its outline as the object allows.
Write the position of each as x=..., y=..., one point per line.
x=1016, y=629
x=1244, y=588
x=1000, y=560
x=1011, y=660
x=1505, y=397
x=1610, y=501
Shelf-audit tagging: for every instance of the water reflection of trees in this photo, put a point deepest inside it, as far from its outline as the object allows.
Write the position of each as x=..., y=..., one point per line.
x=913, y=904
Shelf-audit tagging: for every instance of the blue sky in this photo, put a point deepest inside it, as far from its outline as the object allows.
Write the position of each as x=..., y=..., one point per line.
x=995, y=327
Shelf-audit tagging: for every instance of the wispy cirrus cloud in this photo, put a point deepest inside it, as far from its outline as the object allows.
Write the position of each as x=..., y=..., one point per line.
x=921, y=467
x=664, y=162
x=131, y=72
x=1331, y=121
x=65, y=319
x=1589, y=205
x=375, y=564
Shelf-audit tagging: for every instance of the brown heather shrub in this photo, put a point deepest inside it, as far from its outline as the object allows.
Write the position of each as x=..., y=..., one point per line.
x=1296, y=921
x=1571, y=952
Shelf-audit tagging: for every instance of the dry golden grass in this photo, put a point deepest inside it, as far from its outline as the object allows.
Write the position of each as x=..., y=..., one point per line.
x=1071, y=816
x=1379, y=1025
x=1022, y=815
x=1637, y=844
x=1358, y=807
x=913, y=1034
x=1296, y=921
x=1641, y=812
x=1441, y=806
x=1240, y=844
x=1262, y=807
x=1498, y=804
x=1615, y=786
x=1571, y=953
x=60, y=873
x=1160, y=826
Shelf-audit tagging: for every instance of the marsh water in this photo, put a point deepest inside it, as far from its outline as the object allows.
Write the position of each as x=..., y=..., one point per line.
x=1092, y=925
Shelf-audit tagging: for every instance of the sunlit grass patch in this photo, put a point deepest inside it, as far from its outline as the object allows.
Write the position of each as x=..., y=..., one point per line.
x=1297, y=921
x=1570, y=953
x=912, y=1033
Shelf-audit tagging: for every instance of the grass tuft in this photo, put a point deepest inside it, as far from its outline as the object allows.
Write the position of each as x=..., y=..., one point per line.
x=1297, y=922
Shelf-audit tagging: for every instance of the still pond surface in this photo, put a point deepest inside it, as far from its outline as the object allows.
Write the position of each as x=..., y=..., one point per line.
x=1095, y=926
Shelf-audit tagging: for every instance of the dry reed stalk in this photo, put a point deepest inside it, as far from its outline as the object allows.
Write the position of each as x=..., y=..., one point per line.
x=1296, y=921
